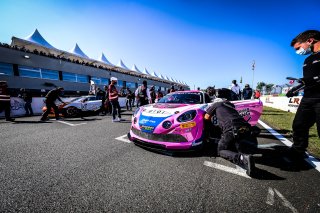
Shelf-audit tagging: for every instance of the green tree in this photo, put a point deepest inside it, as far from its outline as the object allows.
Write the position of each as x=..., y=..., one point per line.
x=260, y=85
x=269, y=88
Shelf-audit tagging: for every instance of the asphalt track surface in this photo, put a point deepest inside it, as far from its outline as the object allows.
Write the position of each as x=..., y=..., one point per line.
x=87, y=165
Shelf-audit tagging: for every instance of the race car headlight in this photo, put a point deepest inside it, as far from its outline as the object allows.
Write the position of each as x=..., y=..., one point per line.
x=187, y=116
x=166, y=124
x=136, y=112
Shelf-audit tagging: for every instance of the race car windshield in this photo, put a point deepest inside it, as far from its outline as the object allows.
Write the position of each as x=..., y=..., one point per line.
x=75, y=99
x=182, y=98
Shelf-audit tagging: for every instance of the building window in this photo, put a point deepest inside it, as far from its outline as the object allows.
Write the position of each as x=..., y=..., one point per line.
x=82, y=78
x=131, y=85
x=120, y=83
x=71, y=77
x=50, y=74
x=6, y=69
x=104, y=81
x=100, y=81
x=29, y=72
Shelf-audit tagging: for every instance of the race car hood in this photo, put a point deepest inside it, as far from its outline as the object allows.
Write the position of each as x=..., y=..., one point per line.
x=167, y=109
x=152, y=115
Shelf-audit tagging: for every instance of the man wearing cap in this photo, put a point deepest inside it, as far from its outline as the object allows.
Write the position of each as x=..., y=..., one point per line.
x=51, y=97
x=247, y=92
x=5, y=100
x=113, y=98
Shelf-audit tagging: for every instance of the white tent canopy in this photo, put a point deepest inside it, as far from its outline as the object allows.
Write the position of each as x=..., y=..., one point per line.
x=161, y=76
x=145, y=71
x=122, y=65
x=77, y=51
x=103, y=59
x=168, y=78
x=37, y=38
x=154, y=74
x=135, y=68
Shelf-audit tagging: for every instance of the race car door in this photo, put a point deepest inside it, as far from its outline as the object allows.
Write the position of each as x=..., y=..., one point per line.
x=92, y=104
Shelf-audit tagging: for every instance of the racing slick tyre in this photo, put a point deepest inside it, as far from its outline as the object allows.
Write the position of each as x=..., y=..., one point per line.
x=71, y=112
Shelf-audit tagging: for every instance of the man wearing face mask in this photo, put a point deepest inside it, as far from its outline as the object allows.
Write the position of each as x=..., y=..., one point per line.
x=308, y=113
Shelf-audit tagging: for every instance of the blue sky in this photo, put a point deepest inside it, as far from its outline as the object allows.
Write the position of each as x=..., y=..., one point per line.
x=203, y=43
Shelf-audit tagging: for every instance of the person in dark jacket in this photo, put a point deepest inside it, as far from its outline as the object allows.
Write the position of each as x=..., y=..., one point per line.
x=237, y=142
x=51, y=97
x=26, y=96
x=5, y=100
x=247, y=92
x=308, y=112
x=101, y=95
x=129, y=100
x=153, y=94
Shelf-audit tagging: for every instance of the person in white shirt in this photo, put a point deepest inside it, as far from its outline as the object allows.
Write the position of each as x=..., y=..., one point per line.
x=142, y=94
x=236, y=89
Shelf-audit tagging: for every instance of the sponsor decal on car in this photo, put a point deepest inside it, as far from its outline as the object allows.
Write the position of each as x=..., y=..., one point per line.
x=188, y=125
x=148, y=129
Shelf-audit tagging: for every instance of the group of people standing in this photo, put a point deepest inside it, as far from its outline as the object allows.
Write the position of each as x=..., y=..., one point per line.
x=110, y=98
x=246, y=94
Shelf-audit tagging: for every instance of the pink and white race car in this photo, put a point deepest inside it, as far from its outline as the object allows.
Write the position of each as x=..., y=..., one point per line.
x=176, y=122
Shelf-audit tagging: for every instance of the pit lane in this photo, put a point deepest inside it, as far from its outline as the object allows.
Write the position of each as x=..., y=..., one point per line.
x=54, y=166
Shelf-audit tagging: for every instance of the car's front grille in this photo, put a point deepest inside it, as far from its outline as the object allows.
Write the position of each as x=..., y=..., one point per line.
x=174, y=138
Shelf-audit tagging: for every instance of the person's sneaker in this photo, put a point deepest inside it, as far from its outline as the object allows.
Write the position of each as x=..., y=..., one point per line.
x=247, y=163
x=43, y=119
x=10, y=119
x=116, y=120
x=297, y=155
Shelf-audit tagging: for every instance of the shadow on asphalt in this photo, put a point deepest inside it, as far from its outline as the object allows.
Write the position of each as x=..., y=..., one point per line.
x=272, y=157
x=278, y=157
x=261, y=174
x=31, y=122
x=82, y=119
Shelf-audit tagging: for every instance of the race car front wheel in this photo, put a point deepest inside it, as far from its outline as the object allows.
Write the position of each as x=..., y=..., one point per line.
x=72, y=112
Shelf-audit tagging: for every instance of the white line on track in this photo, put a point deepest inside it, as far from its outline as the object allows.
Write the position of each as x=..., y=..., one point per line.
x=237, y=171
x=285, y=202
x=123, y=138
x=269, y=145
x=70, y=124
x=311, y=160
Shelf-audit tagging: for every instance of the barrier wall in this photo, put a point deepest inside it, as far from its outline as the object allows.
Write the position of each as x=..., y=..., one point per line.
x=282, y=103
x=17, y=105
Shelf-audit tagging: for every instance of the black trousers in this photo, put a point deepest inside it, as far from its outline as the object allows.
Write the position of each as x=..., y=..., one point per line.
x=231, y=148
x=49, y=105
x=28, y=108
x=6, y=106
x=227, y=147
x=307, y=115
x=143, y=102
x=129, y=103
x=116, y=109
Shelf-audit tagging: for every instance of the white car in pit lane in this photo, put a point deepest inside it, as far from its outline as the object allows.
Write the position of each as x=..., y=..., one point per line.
x=76, y=106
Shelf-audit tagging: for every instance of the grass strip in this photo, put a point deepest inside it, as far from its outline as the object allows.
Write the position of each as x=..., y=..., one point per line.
x=281, y=121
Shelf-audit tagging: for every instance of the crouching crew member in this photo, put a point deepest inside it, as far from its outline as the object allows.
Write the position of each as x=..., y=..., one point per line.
x=237, y=142
x=51, y=97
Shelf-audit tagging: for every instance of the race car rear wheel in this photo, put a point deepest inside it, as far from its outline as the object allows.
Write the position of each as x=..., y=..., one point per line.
x=72, y=112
